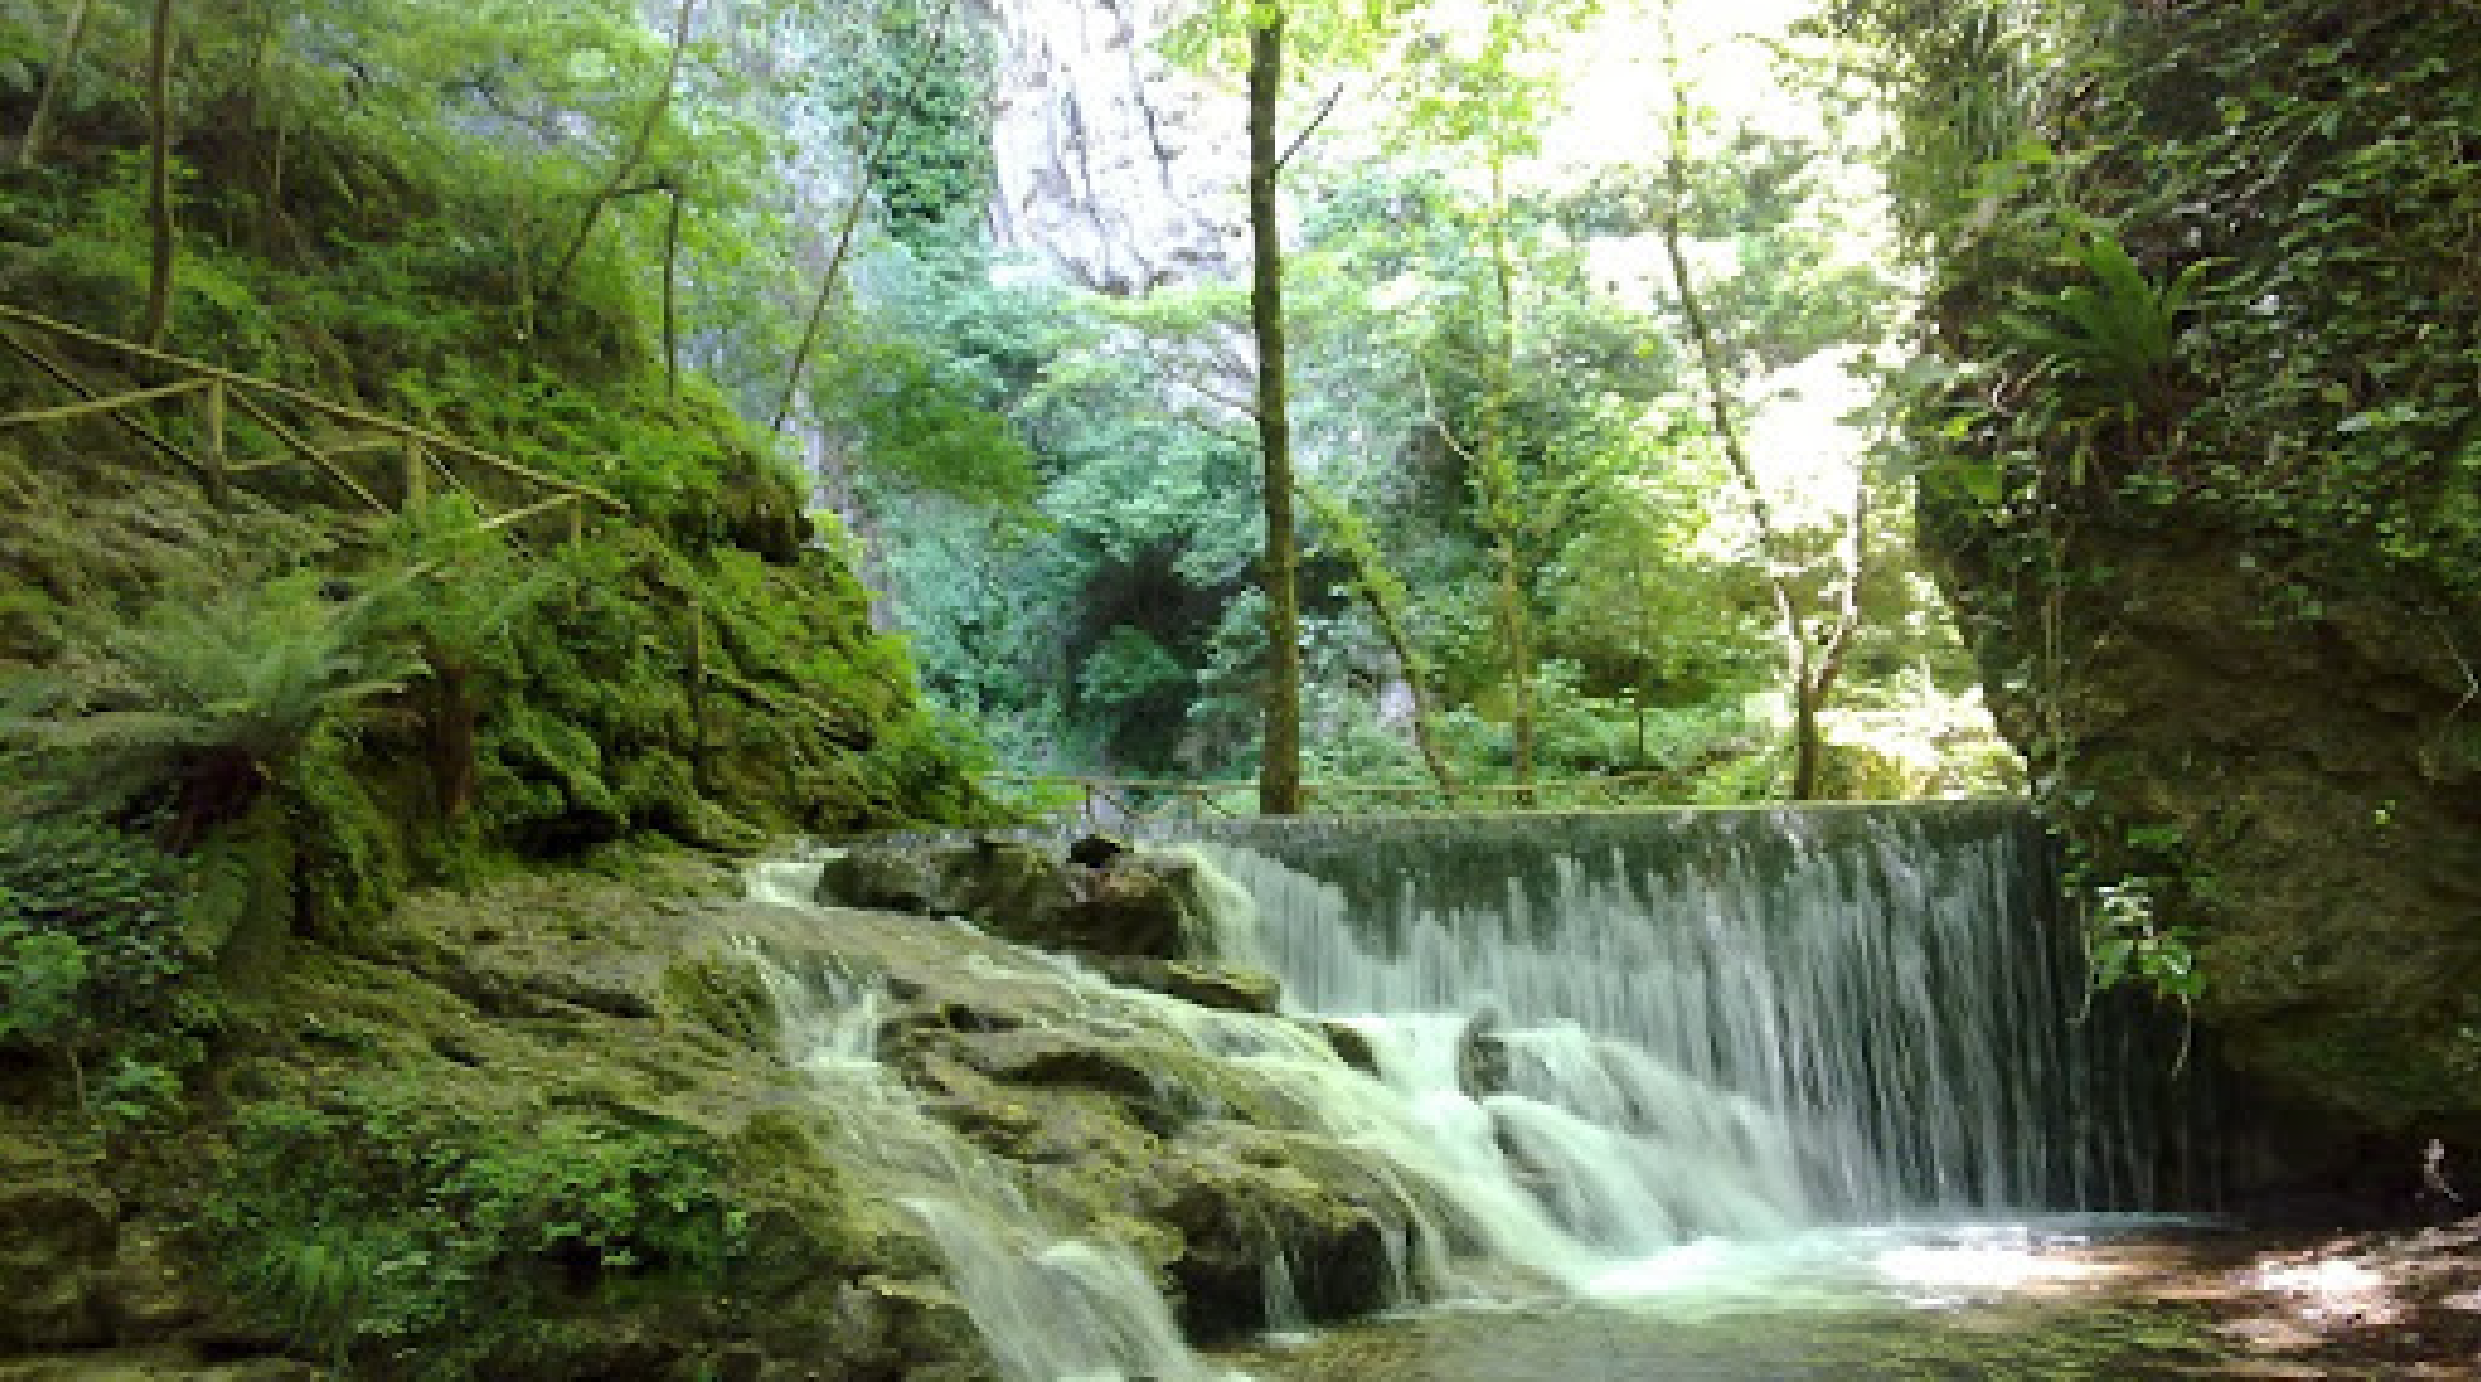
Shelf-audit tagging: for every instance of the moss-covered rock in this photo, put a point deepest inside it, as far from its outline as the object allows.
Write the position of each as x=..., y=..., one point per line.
x=1253, y=1224
x=1129, y=906
x=2224, y=597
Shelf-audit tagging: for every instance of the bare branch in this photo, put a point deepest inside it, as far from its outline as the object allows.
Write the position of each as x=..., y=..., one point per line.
x=863, y=180
x=617, y=186
x=1325, y=109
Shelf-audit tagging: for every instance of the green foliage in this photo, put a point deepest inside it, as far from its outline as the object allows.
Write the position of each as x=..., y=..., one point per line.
x=934, y=171
x=135, y=1092
x=927, y=422
x=1129, y=668
x=199, y=708
x=2129, y=942
x=42, y=974
x=383, y=1226
x=2263, y=347
x=2332, y=329
x=92, y=939
x=2110, y=339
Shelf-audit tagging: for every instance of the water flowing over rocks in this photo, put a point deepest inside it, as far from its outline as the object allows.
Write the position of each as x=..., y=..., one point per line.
x=1509, y=1061
x=1147, y=918
x=1517, y=1056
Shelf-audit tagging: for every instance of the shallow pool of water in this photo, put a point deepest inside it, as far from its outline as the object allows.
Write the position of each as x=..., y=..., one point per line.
x=2115, y=1299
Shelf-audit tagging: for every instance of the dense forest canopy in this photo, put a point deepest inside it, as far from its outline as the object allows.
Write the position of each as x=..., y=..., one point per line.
x=1515, y=508
x=1622, y=337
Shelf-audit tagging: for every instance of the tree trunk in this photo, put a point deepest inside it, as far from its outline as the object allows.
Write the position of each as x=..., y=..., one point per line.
x=1644, y=631
x=1808, y=748
x=456, y=729
x=1516, y=623
x=159, y=179
x=1384, y=594
x=39, y=124
x=627, y=167
x=1279, y=771
x=671, y=299
x=1501, y=505
x=1819, y=671
x=1808, y=691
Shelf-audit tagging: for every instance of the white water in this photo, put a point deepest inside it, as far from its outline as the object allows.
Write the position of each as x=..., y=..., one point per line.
x=1049, y=1305
x=1711, y=1055
x=1799, y=1017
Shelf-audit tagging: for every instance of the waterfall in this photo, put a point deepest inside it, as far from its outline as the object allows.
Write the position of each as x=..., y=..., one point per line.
x=1861, y=1012
x=1049, y=1305
x=1592, y=1054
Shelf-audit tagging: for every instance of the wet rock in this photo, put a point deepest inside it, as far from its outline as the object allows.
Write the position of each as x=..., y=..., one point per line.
x=1208, y=986
x=966, y=1016
x=895, y=880
x=57, y=1237
x=1245, y=1216
x=1352, y=1046
x=1031, y=1056
x=149, y=1292
x=1096, y=851
x=1131, y=904
x=1137, y=905
x=1483, y=1061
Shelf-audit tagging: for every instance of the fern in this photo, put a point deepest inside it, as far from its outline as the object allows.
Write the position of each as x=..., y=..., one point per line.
x=205, y=705
x=2111, y=340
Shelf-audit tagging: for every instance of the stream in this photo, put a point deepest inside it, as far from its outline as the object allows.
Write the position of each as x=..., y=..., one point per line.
x=2102, y=1298
x=1729, y=1094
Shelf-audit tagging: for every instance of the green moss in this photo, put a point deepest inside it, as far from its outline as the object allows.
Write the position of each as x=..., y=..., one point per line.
x=241, y=909
x=724, y=997
x=351, y=823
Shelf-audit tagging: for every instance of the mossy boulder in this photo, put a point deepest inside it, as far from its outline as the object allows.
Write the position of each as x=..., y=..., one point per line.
x=1133, y=904
x=1228, y=988
x=1250, y=1218
x=57, y=1238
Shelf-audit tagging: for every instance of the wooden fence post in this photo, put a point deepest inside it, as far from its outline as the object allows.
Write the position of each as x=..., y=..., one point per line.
x=698, y=726
x=417, y=476
x=219, y=489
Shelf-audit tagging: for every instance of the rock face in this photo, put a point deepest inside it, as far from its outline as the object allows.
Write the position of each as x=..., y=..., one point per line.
x=2229, y=610
x=1130, y=906
x=1114, y=171
x=2302, y=795
x=1147, y=1136
x=610, y=1055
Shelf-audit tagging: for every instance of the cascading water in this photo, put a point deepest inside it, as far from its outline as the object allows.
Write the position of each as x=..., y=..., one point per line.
x=1844, y=1013
x=1049, y=1305
x=1588, y=1055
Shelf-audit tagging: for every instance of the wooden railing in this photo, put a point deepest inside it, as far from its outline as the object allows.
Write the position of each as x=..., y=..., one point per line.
x=1103, y=802
x=416, y=456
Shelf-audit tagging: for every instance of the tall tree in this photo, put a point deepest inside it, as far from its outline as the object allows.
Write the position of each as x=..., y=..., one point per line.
x=1279, y=767
x=617, y=185
x=1383, y=592
x=1813, y=641
x=159, y=178
x=1487, y=104
x=55, y=81
x=888, y=119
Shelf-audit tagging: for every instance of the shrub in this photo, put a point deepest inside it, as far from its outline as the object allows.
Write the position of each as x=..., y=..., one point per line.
x=91, y=944
x=382, y=1225
x=199, y=708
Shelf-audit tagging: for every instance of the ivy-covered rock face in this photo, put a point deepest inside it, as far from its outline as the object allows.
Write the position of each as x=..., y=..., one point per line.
x=2208, y=489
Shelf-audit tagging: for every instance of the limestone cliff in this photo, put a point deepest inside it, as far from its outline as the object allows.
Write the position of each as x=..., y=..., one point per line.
x=1114, y=170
